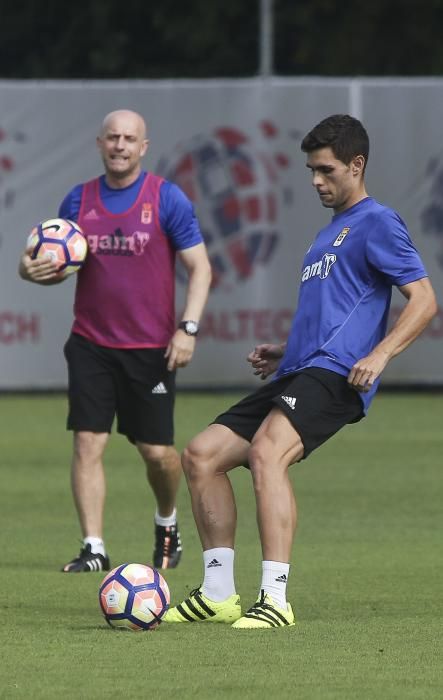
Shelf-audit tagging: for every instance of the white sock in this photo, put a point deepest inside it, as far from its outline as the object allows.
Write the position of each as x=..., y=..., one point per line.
x=218, y=583
x=274, y=581
x=168, y=521
x=97, y=545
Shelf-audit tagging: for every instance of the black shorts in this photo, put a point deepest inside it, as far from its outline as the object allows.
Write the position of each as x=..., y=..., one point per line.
x=134, y=385
x=316, y=401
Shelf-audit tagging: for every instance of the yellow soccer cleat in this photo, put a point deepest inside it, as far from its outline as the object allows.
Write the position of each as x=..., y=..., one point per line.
x=265, y=614
x=198, y=608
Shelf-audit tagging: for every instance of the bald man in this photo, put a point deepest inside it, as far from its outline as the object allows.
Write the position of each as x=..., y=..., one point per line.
x=125, y=346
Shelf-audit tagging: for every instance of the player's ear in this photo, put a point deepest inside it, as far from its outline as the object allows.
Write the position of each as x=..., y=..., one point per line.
x=144, y=148
x=357, y=165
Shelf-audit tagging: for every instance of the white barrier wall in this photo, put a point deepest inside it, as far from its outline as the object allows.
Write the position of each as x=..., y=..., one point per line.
x=234, y=147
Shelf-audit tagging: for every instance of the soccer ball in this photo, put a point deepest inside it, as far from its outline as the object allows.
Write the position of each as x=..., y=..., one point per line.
x=63, y=241
x=134, y=597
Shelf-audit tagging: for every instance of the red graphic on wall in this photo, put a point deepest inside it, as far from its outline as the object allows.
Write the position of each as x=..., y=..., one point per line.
x=238, y=183
x=10, y=143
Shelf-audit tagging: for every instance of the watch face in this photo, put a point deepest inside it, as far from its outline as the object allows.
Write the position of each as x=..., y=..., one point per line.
x=191, y=327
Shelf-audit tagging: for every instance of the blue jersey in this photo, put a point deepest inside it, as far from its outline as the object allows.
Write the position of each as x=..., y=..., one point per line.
x=176, y=212
x=346, y=286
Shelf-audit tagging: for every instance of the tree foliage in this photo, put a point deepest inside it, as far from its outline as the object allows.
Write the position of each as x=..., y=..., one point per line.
x=352, y=37
x=218, y=38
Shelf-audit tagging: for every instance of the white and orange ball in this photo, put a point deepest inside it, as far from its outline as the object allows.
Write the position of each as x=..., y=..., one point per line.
x=134, y=597
x=61, y=240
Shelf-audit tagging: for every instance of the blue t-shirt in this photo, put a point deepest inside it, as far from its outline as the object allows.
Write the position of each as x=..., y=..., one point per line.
x=176, y=212
x=346, y=286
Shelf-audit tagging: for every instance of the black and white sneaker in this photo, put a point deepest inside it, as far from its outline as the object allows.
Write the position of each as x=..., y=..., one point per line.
x=168, y=547
x=87, y=561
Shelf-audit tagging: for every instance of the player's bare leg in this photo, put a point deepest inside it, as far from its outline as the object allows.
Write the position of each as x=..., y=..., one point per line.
x=88, y=480
x=206, y=461
x=89, y=490
x=163, y=469
x=275, y=446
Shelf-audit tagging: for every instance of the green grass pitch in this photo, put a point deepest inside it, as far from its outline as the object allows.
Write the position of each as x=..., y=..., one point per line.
x=365, y=582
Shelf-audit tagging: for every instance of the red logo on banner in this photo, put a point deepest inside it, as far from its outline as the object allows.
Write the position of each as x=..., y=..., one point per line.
x=239, y=183
x=9, y=141
x=19, y=328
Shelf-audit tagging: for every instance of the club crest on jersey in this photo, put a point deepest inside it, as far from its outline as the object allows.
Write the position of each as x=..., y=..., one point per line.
x=146, y=215
x=341, y=236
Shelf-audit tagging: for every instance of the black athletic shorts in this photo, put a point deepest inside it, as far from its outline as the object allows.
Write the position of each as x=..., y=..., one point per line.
x=316, y=401
x=133, y=385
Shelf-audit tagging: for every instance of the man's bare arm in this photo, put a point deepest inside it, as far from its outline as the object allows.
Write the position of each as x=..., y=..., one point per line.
x=420, y=308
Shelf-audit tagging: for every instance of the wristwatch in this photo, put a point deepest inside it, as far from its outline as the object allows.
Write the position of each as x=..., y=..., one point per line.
x=189, y=327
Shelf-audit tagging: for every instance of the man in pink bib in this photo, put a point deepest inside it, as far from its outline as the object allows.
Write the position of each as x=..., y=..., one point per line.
x=125, y=347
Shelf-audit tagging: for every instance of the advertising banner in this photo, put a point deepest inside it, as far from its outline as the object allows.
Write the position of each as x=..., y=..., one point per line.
x=234, y=148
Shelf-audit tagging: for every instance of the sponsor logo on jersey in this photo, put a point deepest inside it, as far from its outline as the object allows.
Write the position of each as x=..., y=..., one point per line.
x=321, y=268
x=117, y=243
x=341, y=236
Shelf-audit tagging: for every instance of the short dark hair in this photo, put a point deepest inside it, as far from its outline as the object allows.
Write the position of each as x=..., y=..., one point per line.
x=343, y=134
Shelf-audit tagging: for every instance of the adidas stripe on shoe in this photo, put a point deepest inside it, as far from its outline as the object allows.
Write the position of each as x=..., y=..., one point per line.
x=87, y=561
x=265, y=614
x=198, y=608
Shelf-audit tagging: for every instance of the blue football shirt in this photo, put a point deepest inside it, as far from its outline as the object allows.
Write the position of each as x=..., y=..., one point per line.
x=346, y=287
x=176, y=212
